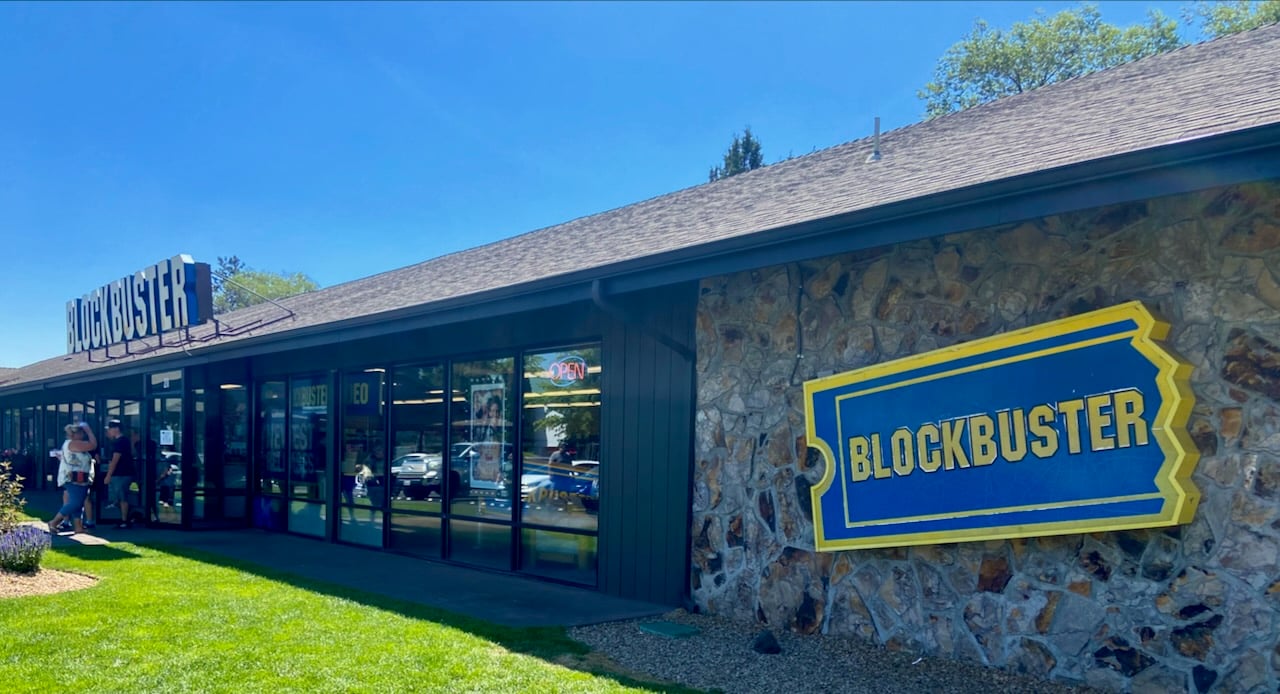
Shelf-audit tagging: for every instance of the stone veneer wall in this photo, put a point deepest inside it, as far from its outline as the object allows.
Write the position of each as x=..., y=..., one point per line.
x=1191, y=607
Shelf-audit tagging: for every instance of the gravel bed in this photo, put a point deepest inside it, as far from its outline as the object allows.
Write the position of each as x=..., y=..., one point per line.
x=42, y=582
x=719, y=657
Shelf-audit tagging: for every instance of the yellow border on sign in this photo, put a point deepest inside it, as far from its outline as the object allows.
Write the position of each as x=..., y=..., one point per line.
x=1173, y=479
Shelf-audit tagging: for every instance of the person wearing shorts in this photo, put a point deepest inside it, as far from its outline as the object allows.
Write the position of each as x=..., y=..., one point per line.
x=119, y=471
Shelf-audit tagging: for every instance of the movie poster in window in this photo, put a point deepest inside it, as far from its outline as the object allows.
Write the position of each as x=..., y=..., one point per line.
x=488, y=434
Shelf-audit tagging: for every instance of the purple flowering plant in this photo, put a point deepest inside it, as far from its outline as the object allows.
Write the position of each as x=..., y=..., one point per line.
x=21, y=549
x=21, y=546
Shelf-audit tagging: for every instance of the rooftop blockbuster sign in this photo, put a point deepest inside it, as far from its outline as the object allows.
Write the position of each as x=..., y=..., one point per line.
x=1073, y=426
x=172, y=294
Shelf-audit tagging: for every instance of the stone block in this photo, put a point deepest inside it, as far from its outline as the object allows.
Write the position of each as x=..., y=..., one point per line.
x=1030, y=657
x=994, y=574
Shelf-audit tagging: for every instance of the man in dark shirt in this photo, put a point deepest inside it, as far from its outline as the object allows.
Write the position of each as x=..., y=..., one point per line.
x=120, y=470
x=563, y=457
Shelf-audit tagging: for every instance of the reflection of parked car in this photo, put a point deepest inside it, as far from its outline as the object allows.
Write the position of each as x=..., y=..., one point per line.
x=416, y=475
x=548, y=481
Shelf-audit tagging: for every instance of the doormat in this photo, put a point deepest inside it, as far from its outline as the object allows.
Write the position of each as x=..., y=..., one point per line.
x=669, y=630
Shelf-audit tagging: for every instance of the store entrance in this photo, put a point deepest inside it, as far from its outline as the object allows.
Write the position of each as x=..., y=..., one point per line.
x=161, y=458
x=217, y=488
x=110, y=510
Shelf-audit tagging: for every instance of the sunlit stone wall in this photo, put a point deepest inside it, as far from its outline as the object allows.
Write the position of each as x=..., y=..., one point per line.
x=1191, y=607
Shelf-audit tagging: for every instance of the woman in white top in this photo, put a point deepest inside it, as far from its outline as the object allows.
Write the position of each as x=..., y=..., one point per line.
x=75, y=473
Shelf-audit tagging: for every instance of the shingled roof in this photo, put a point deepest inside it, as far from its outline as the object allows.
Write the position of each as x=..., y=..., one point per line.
x=1210, y=89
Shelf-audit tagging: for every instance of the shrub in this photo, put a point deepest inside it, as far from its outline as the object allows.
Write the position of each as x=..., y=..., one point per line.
x=21, y=549
x=11, y=500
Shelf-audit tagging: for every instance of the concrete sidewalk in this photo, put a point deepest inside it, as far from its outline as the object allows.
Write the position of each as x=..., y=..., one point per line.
x=493, y=597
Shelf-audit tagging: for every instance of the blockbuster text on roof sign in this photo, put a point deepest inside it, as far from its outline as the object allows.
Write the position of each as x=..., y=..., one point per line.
x=171, y=294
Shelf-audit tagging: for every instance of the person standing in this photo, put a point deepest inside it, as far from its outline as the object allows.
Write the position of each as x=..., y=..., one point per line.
x=76, y=473
x=563, y=457
x=120, y=471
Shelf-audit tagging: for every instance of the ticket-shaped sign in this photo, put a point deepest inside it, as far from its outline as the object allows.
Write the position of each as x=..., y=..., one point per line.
x=1073, y=426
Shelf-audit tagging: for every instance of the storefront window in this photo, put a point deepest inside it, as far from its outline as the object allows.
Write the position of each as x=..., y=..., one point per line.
x=363, y=462
x=235, y=436
x=226, y=488
x=308, y=455
x=199, y=474
x=271, y=410
x=53, y=440
x=483, y=544
x=482, y=454
x=483, y=445
x=560, y=478
x=418, y=479
x=9, y=432
x=560, y=484
x=562, y=556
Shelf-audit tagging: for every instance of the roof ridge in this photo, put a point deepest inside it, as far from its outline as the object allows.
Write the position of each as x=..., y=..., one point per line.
x=1054, y=87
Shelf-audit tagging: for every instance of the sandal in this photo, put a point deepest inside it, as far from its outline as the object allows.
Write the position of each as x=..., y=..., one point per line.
x=53, y=529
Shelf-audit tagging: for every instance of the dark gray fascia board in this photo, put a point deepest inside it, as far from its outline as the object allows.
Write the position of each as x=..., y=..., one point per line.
x=1180, y=167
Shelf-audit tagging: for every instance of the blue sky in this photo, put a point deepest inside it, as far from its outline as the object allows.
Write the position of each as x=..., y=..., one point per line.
x=343, y=140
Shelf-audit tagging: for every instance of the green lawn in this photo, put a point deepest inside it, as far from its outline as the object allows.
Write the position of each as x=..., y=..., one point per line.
x=165, y=619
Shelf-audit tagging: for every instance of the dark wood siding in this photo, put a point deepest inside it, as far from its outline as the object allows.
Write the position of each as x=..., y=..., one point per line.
x=645, y=485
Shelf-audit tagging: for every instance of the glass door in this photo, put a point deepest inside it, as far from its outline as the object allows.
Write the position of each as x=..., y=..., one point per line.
x=161, y=455
x=129, y=412
x=269, y=467
x=222, y=438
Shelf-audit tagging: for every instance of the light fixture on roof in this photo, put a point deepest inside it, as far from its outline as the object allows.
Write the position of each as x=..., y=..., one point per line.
x=875, y=149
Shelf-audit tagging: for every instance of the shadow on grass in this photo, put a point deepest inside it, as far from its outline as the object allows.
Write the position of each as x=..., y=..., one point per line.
x=95, y=552
x=550, y=644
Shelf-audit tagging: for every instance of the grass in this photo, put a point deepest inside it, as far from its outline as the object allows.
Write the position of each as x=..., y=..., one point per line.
x=170, y=619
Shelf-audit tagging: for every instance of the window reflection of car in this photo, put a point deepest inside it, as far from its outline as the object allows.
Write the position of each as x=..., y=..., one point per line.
x=416, y=475
x=545, y=481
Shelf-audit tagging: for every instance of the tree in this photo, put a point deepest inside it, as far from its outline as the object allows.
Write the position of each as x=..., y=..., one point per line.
x=1223, y=18
x=743, y=155
x=236, y=286
x=991, y=63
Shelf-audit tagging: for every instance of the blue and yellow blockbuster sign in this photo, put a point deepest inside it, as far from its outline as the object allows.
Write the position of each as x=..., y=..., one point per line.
x=1073, y=426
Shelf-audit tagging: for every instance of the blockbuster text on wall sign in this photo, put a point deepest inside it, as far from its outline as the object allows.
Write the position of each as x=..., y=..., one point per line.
x=1073, y=426
x=173, y=293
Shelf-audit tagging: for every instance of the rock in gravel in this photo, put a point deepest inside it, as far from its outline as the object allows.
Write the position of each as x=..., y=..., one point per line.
x=766, y=643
